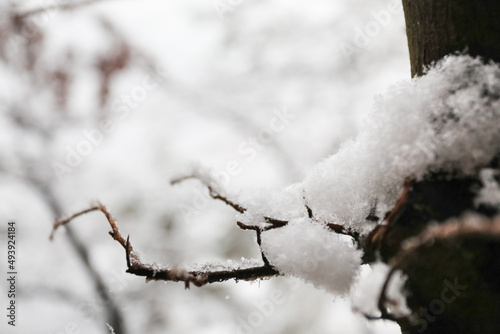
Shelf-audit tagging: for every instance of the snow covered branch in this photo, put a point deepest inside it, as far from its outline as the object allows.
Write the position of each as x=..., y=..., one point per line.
x=197, y=277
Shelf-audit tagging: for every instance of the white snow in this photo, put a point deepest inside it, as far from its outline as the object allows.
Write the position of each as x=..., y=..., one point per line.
x=306, y=249
x=446, y=120
x=367, y=291
x=283, y=204
x=226, y=265
x=111, y=329
x=489, y=194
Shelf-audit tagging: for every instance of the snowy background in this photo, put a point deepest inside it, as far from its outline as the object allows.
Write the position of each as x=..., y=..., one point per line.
x=201, y=82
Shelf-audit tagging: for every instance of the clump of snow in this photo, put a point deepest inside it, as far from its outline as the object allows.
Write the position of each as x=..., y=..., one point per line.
x=306, y=249
x=447, y=120
x=367, y=291
x=283, y=204
x=489, y=194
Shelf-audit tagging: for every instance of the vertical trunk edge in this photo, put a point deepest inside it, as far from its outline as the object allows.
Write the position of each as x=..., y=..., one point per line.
x=436, y=28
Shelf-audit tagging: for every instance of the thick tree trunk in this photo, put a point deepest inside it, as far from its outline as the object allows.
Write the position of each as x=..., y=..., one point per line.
x=453, y=284
x=436, y=28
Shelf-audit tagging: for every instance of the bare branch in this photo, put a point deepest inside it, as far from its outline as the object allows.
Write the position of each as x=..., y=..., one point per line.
x=258, y=231
x=308, y=209
x=400, y=204
x=201, y=278
x=274, y=223
x=114, y=315
x=198, y=278
x=64, y=221
x=115, y=233
x=212, y=192
x=376, y=236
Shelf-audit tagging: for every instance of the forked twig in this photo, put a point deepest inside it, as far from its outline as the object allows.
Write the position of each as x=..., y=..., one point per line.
x=273, y=222
x=114, y=233
x=339, y=229
x=198, y=278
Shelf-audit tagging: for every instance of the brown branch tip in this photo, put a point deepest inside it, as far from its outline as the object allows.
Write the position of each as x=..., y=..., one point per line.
x=211, y=191
x=150, y=272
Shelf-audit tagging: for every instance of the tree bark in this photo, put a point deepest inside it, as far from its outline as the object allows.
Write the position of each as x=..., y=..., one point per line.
x=436, y=28
x=452, y=284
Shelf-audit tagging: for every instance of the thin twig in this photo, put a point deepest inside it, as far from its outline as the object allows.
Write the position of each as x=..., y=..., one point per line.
x=400, y=205
x=113, y=312
x=308, y=209
x=376, y=236
x=64, y=221
x=274, y=223
x=216, y=195
x=114, y=233
x=258, y=231
x=212, y=192
x=198, y=278
x=339, y=229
